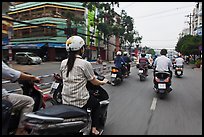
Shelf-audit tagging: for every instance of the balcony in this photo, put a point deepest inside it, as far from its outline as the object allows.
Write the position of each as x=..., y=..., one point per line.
x=200, y=13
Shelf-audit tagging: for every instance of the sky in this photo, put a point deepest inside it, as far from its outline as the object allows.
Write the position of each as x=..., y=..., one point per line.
x=159, y=23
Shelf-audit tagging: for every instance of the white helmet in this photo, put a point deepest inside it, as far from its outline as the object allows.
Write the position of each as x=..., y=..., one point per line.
x=119, y=53
x=74, y=43
x=125, y=53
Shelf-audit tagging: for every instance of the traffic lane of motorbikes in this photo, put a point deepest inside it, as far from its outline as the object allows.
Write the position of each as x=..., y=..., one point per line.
x=130, y=112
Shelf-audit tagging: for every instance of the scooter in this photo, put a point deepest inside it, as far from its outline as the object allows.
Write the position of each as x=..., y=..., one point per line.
x=10, y=119
x=179, y=71
x=116, y=76
x=64, y=119
x=162, y=83
x=142, y=73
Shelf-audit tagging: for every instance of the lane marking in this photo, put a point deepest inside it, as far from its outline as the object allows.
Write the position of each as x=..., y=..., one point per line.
x=154, y=102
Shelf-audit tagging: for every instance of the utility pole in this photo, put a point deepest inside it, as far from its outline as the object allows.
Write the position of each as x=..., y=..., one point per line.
x=189, y=16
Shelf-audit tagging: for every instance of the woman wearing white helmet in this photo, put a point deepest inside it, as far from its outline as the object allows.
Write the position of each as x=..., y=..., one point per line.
x=75, y=73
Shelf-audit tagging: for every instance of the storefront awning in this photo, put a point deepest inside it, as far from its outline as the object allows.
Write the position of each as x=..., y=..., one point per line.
x=7, y=46
x=29, y=46
x=56, y=45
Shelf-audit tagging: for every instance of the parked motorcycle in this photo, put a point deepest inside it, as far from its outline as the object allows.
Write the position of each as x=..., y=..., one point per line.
x=179, y=71
x=116, y=76
x=162, y=83
x=10, y=119
x=67, y=119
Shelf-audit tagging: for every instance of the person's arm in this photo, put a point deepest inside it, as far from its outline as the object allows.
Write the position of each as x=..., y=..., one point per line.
x=97, y=82
x=24, y=76
x=13, y=75
x=89, y=73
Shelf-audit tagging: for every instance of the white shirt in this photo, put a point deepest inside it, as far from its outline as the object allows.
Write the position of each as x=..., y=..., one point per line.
x=179, y=61
x=162, y=63
x=9, y=74
x=74, y=90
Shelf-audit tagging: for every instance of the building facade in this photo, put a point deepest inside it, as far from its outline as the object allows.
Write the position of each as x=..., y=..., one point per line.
x=48, y=40
x=197, y=19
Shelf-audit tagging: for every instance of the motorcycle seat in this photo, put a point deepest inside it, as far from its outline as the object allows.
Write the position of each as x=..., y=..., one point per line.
x=63, y=111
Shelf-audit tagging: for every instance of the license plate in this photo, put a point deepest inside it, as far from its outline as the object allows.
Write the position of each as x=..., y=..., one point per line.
x=140, y=71
x=113, y=75
x=178, y=72
x=54, y=85
x=162, y=86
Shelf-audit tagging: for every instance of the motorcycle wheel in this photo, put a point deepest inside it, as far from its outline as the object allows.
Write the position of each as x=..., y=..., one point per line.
x=57, y=97
x=141, y=78
x=161, y=95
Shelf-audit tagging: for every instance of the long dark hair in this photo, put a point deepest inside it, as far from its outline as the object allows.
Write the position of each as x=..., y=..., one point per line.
x=71, y=59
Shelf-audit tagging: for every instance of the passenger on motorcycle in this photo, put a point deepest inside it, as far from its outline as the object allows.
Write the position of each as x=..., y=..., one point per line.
x=119, y=63
x=179, y=61
x=75, y=73
x=143, y=63
x=163, y=64
x=20, y=102
x=127, y=60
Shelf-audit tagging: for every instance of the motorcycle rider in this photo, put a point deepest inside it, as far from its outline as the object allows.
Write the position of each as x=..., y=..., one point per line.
x=75, y=73
x=127, y=60
x=163, y=64
x=179, y=61
x=20, y=102
x=143, y=63
x=119, y=62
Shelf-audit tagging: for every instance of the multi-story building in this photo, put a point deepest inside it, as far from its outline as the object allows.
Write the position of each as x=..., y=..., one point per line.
x=197, y=19
x=50, y=39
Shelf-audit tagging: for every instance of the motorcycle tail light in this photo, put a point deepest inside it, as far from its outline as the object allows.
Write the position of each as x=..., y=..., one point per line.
x=167, y=79
x=157, y=79
x=114, y=70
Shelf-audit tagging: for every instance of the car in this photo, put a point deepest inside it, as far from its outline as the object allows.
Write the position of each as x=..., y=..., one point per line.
x=27, y=58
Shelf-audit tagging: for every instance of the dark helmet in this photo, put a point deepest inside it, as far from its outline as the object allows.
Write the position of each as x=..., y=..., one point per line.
x=143, y=54
x=163, y=52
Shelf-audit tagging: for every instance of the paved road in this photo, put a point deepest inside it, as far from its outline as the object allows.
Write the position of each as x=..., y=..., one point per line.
x=135, y=110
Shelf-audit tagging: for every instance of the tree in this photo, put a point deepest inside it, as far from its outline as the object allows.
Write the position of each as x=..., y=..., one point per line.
x=189, y=45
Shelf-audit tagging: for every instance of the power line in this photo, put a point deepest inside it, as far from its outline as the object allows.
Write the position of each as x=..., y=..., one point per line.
x=162, y=12
x=50, y=27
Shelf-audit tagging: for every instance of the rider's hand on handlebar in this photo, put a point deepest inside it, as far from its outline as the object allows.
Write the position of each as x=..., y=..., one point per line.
x=37, y=80
x=105, y=81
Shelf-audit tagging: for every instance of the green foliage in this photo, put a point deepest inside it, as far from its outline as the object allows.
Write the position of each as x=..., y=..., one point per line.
x=189, y=45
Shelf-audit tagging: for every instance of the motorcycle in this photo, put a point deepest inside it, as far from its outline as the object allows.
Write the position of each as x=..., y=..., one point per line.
x=162, y=84
x=179, y=71
x=11, y=119
x=142, y=73
x=127, y=69
x=174, y=65
x=64, y=119
x=116, y=76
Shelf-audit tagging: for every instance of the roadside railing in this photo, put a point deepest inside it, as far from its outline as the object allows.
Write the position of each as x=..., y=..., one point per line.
x=45, y=86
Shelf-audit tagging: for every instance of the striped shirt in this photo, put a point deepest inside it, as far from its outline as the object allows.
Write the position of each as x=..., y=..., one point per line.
x=74, y=90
